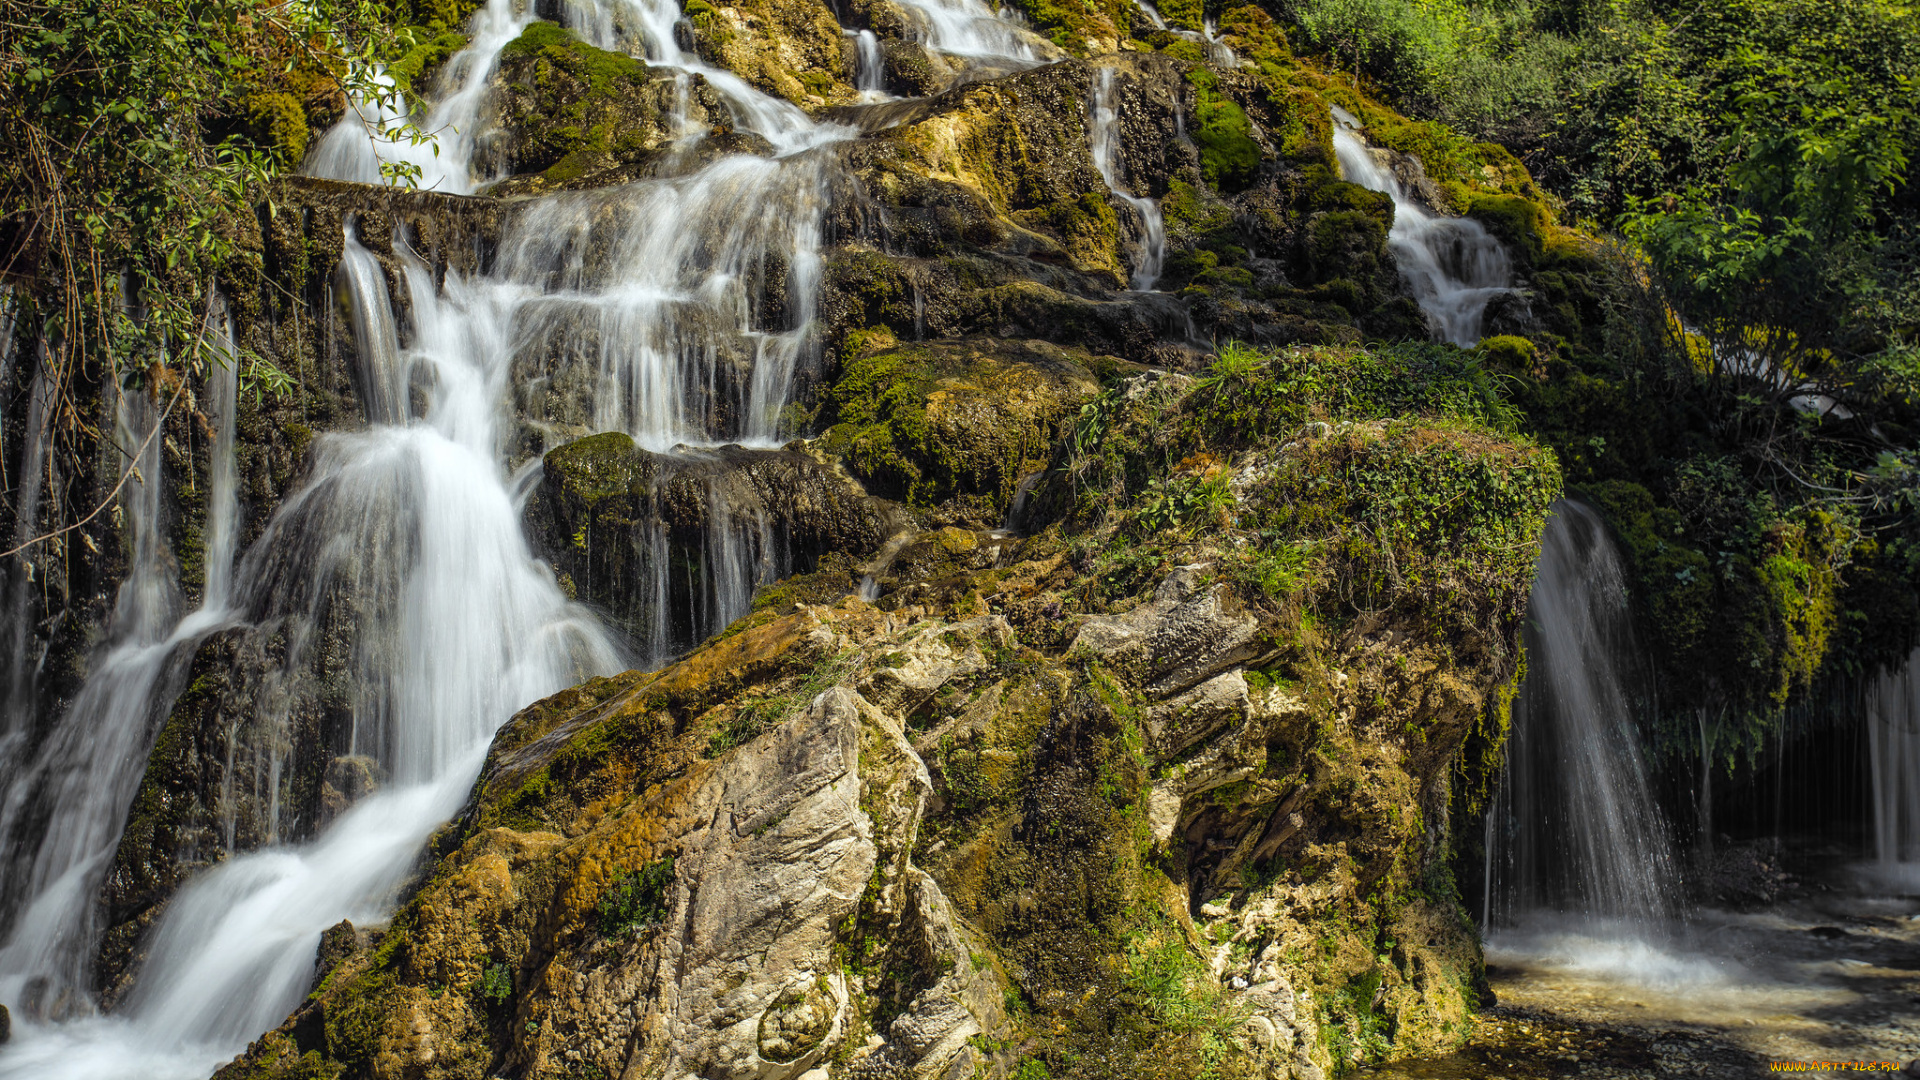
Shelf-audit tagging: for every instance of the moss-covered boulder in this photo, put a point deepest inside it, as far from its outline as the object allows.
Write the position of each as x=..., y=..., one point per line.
x=954, y=424
x=656, y=541
x=792, y=49
x=1155, y=791
x=563, y=113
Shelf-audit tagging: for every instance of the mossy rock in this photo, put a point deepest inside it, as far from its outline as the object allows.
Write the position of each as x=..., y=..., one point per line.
x=566, y=109
x=607, y=512
x=930, y=424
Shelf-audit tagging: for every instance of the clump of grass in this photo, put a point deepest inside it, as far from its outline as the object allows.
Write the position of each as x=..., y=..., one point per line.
x=635, y=901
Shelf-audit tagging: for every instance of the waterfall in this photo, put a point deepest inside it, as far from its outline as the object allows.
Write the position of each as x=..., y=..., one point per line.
x=870, y=68
x=361, y=286
x=62, y=812
x=1208, y=37
x=1103, y=133
x=1453, y=266
x=1574, y=830
x=664, y=294
x=1893, y=745
x=218, y=538
x=366, y=137
x=971, y=30
x=16, y=709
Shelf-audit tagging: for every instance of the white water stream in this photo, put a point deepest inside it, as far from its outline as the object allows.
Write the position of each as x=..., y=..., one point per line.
x=1575, y=830
x=658, y=289
x=1893, y=741
x=1104, y=134
x=1453, y=266
x=971, y=30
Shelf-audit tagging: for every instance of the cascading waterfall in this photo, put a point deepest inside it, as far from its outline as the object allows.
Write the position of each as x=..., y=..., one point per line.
x=1574, y=831
x=1453, y=265
x=870, y=68
x=480, y=629
x=662, y=288
x=16, y=708
x=371, y=133
x=1104, y=134
x=62, y=813
x=971, y=30
x=1893, y=744
x=1219, y=52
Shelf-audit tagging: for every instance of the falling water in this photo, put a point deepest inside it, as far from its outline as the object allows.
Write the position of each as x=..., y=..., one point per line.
x=1453, y=265
x=1574, y=830
x=660, y=291
x=218, y=538
x=870, y=68
x=1104, y=134
x=971, y=30
x=1208, y=37
x=371, y=133
x=61, y=816
x=21, y=658
x=1893, y=742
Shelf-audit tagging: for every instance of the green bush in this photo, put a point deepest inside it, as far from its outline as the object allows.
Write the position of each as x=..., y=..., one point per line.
x=635, y=901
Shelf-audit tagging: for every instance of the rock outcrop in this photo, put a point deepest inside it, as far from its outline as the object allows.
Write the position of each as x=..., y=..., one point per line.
x=1111, y=801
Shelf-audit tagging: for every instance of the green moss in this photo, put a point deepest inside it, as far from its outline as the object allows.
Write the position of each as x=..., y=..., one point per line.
x=584, y=107
x=928, y=424
x=594, y=468
x=1516, y=222
x=1508, y=354
x=1229, y=158
x=357, y=1016
x=1074, y=24
x=424, y=52
x=1185, y=14
x=279, y=123
x=635, y=900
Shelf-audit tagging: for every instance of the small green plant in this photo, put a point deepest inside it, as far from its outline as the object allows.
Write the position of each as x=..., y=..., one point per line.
x=635, y=901
x=759, y=714
x=495, y=983
x=1033, y=1068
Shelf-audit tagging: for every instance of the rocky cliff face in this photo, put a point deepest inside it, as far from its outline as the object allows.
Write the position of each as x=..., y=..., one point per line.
x=1085, y=803
x=1157, y=786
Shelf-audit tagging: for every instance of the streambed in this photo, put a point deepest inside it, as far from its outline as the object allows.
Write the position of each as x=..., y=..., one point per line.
x=1830, y=973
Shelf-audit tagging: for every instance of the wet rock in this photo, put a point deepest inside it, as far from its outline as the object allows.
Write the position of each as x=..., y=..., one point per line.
x=612, y=519
x=562, y=111
x=792, y=49
x=6, y=1025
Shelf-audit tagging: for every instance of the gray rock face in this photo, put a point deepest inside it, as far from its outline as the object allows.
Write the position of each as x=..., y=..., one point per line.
x=1189, y=632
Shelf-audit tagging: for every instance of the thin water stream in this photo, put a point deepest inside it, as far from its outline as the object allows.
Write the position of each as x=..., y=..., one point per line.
x=1599, y=967
x=1103, y=129
x=1453, y=266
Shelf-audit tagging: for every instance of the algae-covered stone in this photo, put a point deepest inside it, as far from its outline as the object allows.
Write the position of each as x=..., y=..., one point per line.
x=562, y=111
x=619, y=524
x=789, y=48
x=954, y=422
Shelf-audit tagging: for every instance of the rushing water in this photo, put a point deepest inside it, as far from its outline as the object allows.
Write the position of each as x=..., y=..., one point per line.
x=1453, y=266
x=653, y=302
x=971, y=30
x=1103, y=131
x=870, y=67
x=1574, y=831
x=1893, y=740
x=372, y=133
